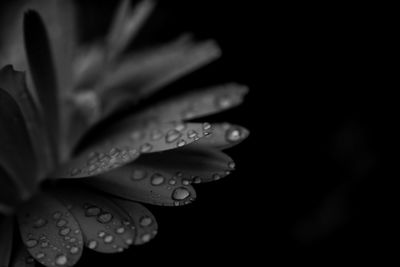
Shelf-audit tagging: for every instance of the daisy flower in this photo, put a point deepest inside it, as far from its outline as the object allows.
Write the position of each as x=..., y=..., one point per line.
x=71, y=177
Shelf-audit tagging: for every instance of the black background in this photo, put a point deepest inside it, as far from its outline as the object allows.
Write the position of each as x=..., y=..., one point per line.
x=309, y=180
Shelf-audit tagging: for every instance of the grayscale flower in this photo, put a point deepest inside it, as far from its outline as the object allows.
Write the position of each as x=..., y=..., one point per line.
x=62, y=192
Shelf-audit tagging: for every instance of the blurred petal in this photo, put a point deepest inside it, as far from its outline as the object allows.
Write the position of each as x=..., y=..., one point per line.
x=50, y=232
x=145, y=184
x=42, y=69
x=142, y=73
x=6, y=238
x=146, y=224
x=194, y=163
x=16, y=156
x=225, y=135
x=21, y=257
x=126, y=142
x=10, y=195
x=14, y=83
x=126, y=24
x=105, y=226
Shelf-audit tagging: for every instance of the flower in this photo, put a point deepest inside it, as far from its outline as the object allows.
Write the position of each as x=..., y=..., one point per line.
x=69, y=182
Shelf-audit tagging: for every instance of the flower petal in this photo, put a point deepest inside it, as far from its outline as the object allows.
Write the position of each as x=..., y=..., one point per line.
x=49, y=231
x=194, y=105
x=16, y=156
x=6, y=237
x=21, y=257
x=194, y=163
x=124, y=143
x=126, y=24
x=225, y=135
x=146, y=224
x=142, y=73
x=146, y=184
x=42, y=69
x=10, y=195
x=105, y=226
x=14, y=83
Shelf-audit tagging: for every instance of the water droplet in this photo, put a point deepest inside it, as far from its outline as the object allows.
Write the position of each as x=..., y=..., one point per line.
x=92, y=211
x=129, y=241
x=192, y=134
x=172, y=136
x=233, y=134
x=120, y=230
x=120, y=249
x=180, y=193
x=185, y=182
x=180, y=127
x=216, y=176
x=39, y=223
x=181, y=143
x=40, y=255
x=223, y=102
x=157, y=179
x=145, y=221
x=92, y=244
x=172, y=181
x=44, y=244
x=101, y=234
x=57, y=215
x=30, y=243
x=65, y=231
x=61, y=260
x=114, y=152
x=108, y=239
x=231, y=165
x=74, y=250
x=196, y=180
x=146, y=238
x=146, y=147
x=138, y=174
x=104, y=217
x=206, y=126
x=156, y=135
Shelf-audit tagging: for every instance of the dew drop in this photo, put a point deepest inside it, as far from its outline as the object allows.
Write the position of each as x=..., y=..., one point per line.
x=180, y=127
x=44, y=244
x=65, y=231
x=145, y=221
x=138, y=174
x=101, y=234
x=74, y=250
x=196, y=180
x=157, y=179
x=172, y=181
x=129, y=241
x=206, y=126
x=180, y=193
x=185, y=182
x=30, y=243
x=192, y=134
x=57, y=215
x=120, y=230
x=108, y=239
x=92, y=211
x=146, y=147
x=172, y=136
x=223, y=102
x=92, y=244
x=114, y=152
x=216, y=176
x=40, y=255
x=156, y=135
x=39, y=223
x=231, y=165
x=104, y=217
x=181, y=143
x=146, y=238
x=233, y=134
x=61, y=260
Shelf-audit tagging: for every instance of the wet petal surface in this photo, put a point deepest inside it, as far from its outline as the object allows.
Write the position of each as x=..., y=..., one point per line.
x=50, y=232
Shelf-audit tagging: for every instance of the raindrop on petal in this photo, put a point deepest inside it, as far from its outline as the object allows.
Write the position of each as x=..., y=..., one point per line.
x=65, y=231
x=104, y=217
x=74, y=250
x=146, y=238
x=157, y=179
x=231, y=165
x=108, y=239
x=233, y=134
x=156, y=135
x=145, y=221
x=92, y=211
x=61, y=260
x=172, y=136
x=146, y=147
x=138, y=174
x=206, y=126
x=92, y=244
x=30, y=243
x=181, y=143
x=180, y=193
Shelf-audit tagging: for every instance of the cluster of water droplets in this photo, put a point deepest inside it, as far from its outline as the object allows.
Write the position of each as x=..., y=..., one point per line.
x=49, y=249
x=113, y=230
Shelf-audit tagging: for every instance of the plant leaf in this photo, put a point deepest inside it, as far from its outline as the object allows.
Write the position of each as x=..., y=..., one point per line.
x=225, y=135
x=193, y=105
x=126, y=25
x=105, y=226
x=14, y=83
x=6, y=238
x=125, y=143
x=194, y=163
x=50, y=233
x=146, y=184
x=16, y=156
x=41, y=66
x=144, y=220
x=142, y=73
